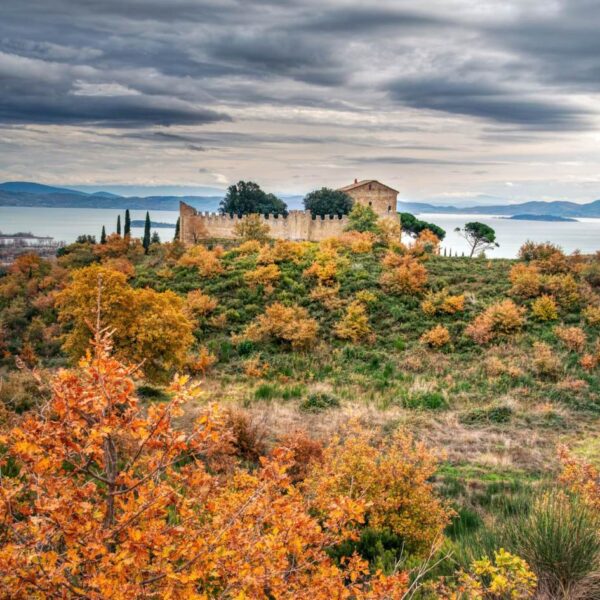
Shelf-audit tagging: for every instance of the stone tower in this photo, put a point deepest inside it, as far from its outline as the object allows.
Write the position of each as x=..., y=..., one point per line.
x=370, y=192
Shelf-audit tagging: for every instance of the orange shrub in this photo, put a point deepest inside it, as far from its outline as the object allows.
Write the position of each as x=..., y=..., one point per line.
x=581, y=477
x=265, y=275
x=572, y=337
x=409, y=277
x=282, y=251
x=203, y=361
x=354, y=325
x=357, y=242
x=109, y=499
x=588, y=362
x=254, y=367
x=200, y=304
x=526, y=281
x=290, y=324
x=426, y=243
x=544, y=308
x=442, y=302
x=328, y=295
x=502, y=318
x=436, y=337
x=206, y=261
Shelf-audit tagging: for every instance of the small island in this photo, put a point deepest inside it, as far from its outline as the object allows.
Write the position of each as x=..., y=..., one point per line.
x=553, y=218
x=155, y=224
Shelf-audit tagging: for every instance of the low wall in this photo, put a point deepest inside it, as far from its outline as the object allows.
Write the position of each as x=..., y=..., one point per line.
x=297, y=225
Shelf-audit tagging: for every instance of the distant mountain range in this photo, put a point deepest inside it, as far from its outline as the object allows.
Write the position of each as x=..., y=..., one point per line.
x=555, y=209
x=24, y=193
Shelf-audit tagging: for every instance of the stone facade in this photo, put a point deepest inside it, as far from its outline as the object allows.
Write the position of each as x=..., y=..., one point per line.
x=195, y=226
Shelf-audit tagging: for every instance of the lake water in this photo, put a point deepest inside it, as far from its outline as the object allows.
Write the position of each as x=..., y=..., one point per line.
x=65, y=224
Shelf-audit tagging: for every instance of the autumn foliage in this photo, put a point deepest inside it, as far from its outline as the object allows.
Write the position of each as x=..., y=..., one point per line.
x=149, y=327
x=106, y=500
x=288, y=324
x=500, y=319
x=403, y=275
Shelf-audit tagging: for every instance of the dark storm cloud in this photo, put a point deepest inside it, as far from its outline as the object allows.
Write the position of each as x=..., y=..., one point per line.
x=184, y=61
x=488, y=101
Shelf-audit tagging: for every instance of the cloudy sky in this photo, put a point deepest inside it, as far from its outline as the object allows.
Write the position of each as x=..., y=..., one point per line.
x=441, y=99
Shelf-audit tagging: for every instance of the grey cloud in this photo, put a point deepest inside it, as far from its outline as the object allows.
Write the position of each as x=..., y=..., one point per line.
x=487, y=101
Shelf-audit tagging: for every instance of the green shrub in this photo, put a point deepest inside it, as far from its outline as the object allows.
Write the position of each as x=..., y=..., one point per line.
x=152, y=393
x=493, y=414
x=559, y=540
x=382, y=548
x=266, y=391
x=426, y=400
x=319, y=402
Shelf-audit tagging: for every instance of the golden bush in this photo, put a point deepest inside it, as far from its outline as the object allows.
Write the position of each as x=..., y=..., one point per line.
x=544, y=308
x=265, y=275
x=200, y=304
x=289, y=324
x=526, y=281
x=206, y=261
x=591, y=315
x=563, y=288
x=436, y=337
x=354, y=325
x=442, y=302
x=282, y=251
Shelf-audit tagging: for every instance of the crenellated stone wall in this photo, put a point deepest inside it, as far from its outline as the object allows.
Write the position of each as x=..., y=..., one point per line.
x=297, y=225
x=195, y=226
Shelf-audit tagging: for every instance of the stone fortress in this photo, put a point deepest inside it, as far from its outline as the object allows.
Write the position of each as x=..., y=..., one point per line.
x=297, y=225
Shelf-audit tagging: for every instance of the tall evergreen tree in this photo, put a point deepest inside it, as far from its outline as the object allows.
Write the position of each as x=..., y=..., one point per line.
x=146, y=240
x=155, y=239
x=103, y=235
x=127, y=228
x=176, y=236
x=119, y=225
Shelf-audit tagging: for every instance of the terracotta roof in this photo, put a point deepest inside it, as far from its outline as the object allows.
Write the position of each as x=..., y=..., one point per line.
x=358, y=184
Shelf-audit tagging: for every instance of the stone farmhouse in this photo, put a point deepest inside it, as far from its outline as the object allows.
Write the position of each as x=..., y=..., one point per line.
x=298, y=224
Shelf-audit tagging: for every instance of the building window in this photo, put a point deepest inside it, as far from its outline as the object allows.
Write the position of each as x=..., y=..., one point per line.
x=370, y=203
x=369, y=186
x=389, y=208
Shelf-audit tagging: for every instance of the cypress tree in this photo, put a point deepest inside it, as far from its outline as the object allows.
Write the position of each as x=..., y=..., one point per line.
x=176, y=236
x=146, y=240
x=103, y=236
x=127, y=228
x=119, y=225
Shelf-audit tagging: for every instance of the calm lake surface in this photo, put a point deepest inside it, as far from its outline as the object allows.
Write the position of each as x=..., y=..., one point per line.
x=65, y=224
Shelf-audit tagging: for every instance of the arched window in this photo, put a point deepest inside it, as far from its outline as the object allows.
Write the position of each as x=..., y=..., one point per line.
x=370, y=203
x=389, y=208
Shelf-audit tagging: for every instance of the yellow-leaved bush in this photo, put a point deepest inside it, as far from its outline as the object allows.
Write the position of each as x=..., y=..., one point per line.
x=149, y=326
x=436, y=337
x=544, y=308
x=354, y=325
x=290, y=324
x=392, y=476
x=207, y=261
x=442, y=302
